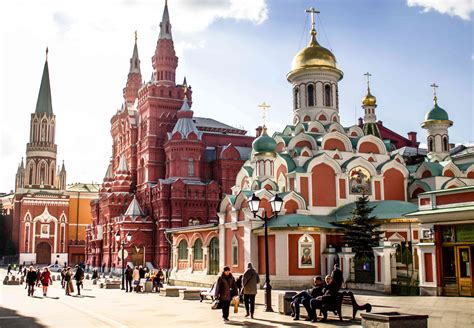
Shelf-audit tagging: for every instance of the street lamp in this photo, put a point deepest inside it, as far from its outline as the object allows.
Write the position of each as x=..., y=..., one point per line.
x=254, y=204
x=128, y=237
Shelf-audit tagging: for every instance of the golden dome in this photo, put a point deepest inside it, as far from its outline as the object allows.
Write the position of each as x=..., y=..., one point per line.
x=313, y=56
x=369, y=99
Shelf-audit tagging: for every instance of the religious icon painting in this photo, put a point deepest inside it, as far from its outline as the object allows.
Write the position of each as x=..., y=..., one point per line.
x=45, y=231
x=306, y=252
x=359, y=181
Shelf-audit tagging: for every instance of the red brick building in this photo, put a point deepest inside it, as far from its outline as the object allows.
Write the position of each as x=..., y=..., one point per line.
x=174, y=166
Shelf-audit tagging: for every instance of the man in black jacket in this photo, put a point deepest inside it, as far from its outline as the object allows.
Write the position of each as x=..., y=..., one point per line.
x=305, y=298
x=330, y=295
x=128, y=279
x=79, y=276
x=337, y=276
x=31, y=280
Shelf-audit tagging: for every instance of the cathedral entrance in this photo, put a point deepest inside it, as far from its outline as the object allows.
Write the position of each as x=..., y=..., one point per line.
x=214, y=256
x=43, y=253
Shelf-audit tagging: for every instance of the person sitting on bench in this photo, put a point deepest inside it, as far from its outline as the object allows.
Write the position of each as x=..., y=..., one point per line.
x=304, y=297
x=330, y=295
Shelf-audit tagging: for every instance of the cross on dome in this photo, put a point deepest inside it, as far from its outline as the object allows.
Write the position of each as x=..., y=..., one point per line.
x=368, y=75
x=434, y=86
x=264, y=106
x=312, y=11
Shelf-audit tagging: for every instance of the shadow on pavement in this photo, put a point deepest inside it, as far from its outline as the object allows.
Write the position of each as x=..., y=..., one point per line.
x=335, y=322
x=11, y=319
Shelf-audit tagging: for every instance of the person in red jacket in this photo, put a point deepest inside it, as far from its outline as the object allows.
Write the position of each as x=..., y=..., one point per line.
x=46, y=280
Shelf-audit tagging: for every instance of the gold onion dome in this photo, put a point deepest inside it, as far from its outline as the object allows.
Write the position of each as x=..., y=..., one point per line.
x=313, y=56
x=369, y=99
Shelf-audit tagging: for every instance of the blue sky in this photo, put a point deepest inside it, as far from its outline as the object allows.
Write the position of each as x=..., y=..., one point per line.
x=235, y=54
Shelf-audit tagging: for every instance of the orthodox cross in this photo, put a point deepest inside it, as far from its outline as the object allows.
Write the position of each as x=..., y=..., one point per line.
x=312, y=11
x=264, y=106
x=136, y=36
x=434, y=86
x=368, y=75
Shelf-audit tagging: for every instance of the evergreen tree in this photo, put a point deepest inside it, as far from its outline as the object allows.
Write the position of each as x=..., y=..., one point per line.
x=362, y=230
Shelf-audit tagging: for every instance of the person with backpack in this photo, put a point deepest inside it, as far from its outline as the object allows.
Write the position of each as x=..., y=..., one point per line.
x=250, y=283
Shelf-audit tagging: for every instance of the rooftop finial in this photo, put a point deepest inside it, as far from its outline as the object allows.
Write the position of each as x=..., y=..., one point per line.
x=47, y=53
x=136, y=36
x=264, y=106
x=435, y=98
x=368, y=75
x=313, y=11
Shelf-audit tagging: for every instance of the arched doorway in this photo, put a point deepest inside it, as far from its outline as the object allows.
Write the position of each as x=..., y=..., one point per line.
x=214, y=256
x=43, y=253
x=138, y=255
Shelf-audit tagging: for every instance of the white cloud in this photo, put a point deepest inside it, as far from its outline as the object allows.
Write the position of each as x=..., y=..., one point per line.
x=90, y=43
x=460, y=8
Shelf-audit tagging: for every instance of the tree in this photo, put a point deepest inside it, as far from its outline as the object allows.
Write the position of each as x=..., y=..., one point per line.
x=362, y=230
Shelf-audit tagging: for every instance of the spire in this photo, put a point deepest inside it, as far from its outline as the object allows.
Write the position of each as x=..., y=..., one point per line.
x=185, y=124
x=185, y=83
x=435, y=98
x=134, y=211
x=165, y=25
x=63, y=168
x=312, y=12
x=135, y=61
x=44, y=104
x=108, y=174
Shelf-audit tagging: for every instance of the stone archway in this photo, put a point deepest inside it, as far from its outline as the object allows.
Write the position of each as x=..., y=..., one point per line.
x=43, y=253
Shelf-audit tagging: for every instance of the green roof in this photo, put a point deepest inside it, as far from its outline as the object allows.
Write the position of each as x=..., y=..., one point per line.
x=384, y=209
x=289, y=161
x=264, y=143
x=371, y=128
x=437, y=114
x=44, y=104
x=301, y=220
x=442, y=211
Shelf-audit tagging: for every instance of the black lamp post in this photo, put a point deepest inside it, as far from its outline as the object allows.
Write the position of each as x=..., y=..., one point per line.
x=254, y=204
x=128, y=237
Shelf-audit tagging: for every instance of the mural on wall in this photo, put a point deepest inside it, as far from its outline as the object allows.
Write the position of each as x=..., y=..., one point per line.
x=359, y=181
x=306, y=252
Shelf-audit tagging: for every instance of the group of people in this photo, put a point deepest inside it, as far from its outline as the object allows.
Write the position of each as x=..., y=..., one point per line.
x=322, y=293
x=67, y=277
x=35, y=278
x=133, y=277
x=227, y=288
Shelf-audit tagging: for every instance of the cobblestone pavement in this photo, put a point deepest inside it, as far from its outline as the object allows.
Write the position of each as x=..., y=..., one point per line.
x=113, y=308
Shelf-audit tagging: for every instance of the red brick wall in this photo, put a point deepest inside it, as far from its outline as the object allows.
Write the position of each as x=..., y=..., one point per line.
x=324, y=185
x=369, y=147
x=428, y=267
x=333, y=144
x=394, y=185
x=293, y=256
x=271, y=254
x=455, y=198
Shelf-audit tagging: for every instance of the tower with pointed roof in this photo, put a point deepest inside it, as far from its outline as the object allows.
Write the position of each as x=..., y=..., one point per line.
x=436, y=124
x=134, y=79
x=369, y=104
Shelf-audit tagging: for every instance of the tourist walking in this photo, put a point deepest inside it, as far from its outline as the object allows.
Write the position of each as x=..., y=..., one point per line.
x=68, y=286
x=31, y=280
x=128, y=279
x=46, y=280
x=63, y=275
x=79, y=277
x=136, y=279
x=225, y=291
x=9, y=269
x=337, y=276
x=249, y=285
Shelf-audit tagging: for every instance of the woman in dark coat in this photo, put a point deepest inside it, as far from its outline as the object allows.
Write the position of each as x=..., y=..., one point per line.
x=225, y=290
x=46, y=280
x=250, y=282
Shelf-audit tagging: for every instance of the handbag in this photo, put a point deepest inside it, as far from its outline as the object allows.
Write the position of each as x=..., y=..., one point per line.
x=216, y=305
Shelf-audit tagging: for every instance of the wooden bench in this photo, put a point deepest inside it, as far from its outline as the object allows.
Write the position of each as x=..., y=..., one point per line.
x=345, y=298
x=209, y=293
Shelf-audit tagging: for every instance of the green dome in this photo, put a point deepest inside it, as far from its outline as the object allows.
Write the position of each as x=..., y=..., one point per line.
x=437, y=114
x=264, y=143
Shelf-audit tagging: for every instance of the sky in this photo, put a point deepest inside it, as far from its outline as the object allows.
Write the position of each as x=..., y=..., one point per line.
x=235, y=54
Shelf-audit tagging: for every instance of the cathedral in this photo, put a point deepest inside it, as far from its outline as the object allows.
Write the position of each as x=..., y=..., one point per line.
x=168, y=168
x=320, y=168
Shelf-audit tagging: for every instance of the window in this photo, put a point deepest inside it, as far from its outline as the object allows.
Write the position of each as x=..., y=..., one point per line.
x=297, y=98
x=197, y=249
x=183, y=250
x=327, y=95
x=445, y=143
x=310, y=95
x=430, y=144
x=190, y=167
x=235, y=252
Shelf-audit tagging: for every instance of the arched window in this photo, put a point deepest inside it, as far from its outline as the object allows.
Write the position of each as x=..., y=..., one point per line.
x=297, y=98
x=235, y=251
x=327, y=95
x=430, y=144
x=183, y=250
x=42, y=174
x=43, y=130
x=310, y=95
x=197, y=249
x=445, y=143
x=30, y=180
x=190, y=167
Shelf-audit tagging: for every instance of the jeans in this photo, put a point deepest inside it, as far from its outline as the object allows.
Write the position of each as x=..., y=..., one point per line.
x=78, y=285
x=225, y=308
x=31, y=288
x=249, y=300
x=128, y=285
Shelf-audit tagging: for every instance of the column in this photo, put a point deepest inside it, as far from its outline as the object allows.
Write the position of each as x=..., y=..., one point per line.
x=427, y=269
x=328, y=258
x=346, y=260
x=205, y=259
x=383, y=265
x=190, y=259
